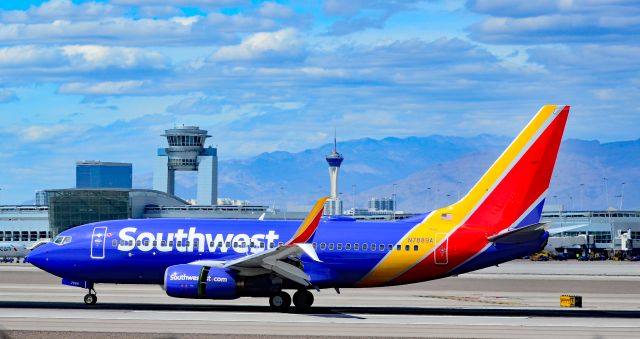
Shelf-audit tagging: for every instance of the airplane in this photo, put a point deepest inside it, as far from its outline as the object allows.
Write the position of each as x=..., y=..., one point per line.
x=13, y=250
x=498, y=220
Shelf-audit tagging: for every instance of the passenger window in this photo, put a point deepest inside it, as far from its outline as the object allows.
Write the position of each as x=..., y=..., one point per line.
x=365, y=247
x=356, y=246
x=390, y=247
x=399, y=247
x=115, y=242
x=179, y=244
x=163, y=243
x=122, y=243
x=323, y=246
x=138, y=243
x=330, y=246
x=373, y=247
x=228, y=244
x=252, y=245
x=171, y=243
x=406, y=248
x=347, y=247
x=219, y=244
x=261, y=245
x=146, y=242
x=272, y=245
x=235, y=244
x=130, y=242
x=155, y=243
x=187, y=243
x=381, y=247
x=315, y=245
x=415, y=247
x=243, y=244
x=339, y=246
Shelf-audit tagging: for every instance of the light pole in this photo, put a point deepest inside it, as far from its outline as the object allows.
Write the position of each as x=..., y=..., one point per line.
x=354, y=198
x=284, y=208
x=394, y=201
x=582, y=197
x=606, y=193
x=622, y=195
x=570, y=203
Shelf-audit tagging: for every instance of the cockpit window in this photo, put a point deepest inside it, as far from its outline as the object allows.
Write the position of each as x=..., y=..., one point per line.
x=61, y=240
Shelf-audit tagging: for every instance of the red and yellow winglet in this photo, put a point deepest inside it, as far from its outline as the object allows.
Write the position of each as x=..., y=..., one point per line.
x=310, y=224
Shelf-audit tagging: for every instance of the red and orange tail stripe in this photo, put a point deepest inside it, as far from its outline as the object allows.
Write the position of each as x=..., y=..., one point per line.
x=310, y=224
x=518, y=179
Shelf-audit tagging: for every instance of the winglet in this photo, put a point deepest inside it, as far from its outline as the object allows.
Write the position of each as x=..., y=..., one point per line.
x=310, y=223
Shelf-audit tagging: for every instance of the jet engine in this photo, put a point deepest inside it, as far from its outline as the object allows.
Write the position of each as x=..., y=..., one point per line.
x=204, y=282
x=195, y=281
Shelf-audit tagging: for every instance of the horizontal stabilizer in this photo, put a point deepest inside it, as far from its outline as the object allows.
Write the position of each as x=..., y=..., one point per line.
x=520, y=235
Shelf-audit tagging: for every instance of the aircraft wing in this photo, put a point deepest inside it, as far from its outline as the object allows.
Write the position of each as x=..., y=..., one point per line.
x=283, y=260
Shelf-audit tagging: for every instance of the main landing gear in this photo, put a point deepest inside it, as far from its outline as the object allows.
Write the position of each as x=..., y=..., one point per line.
x=91, y=298
x=302, y=299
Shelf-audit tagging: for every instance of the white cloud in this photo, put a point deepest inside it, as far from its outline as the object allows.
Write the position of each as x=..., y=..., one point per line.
x=192, y=3
x=555, y=21
x=101, y=88
x=100, y=57
x=29, y=55
x=194, y=30
x=283, y=45
x=45, y=132
x=60, y=9
x=7, y=96
x=275, y=10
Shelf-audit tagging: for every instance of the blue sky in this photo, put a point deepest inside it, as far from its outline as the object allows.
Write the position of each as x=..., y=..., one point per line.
x=102, y=79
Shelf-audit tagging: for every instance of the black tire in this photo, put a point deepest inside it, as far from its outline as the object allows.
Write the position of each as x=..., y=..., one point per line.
x=280, y=301
x=303, y=300
x=90, y=299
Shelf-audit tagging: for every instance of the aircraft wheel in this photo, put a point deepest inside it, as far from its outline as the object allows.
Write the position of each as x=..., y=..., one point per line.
x=303, y=300
x=90, y=299
x=280, y=301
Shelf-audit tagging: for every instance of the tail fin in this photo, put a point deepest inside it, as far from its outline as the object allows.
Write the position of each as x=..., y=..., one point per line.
x=509, y=195
x=512, y=192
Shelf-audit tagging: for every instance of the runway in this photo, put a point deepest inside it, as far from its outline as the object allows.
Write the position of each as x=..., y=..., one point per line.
x=516, y=300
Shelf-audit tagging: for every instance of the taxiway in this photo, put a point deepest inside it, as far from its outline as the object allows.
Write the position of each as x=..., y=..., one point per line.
x=518, y=299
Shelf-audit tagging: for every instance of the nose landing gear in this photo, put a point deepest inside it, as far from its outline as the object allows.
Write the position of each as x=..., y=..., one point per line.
x=91, y=298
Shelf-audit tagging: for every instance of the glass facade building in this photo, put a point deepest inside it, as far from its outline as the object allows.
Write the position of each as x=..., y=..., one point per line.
x=381, y=204
x=69, y=208
x=98, y=174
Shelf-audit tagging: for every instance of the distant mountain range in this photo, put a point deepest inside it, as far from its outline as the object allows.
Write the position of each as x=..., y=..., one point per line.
x=425, y=172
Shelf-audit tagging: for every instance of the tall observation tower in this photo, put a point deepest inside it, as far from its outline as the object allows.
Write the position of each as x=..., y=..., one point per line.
x=186, y=152
x=333, y=206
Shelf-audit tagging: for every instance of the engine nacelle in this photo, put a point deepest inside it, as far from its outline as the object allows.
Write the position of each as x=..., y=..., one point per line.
x=195, y=281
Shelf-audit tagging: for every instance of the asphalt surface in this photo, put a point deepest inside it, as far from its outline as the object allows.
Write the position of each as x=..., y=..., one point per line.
x=516, y=300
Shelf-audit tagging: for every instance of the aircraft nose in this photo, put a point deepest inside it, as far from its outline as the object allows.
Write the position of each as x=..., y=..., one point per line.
x=38, y=257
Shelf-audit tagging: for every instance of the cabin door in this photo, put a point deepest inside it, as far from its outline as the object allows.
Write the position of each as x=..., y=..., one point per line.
x=98, y=241
x=441, y=255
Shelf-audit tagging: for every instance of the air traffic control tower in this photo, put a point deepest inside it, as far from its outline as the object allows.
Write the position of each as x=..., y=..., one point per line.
x=186, y=152
x=333, y=206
